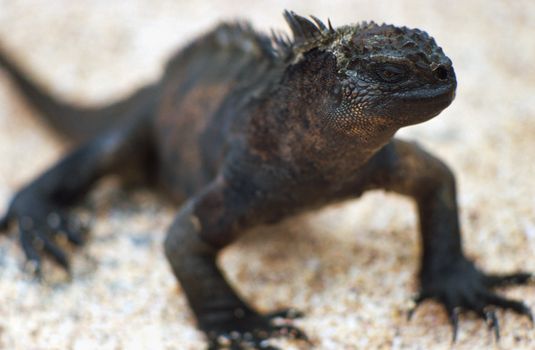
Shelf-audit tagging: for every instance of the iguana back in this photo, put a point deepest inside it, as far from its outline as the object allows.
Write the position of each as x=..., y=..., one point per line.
x=204, y=89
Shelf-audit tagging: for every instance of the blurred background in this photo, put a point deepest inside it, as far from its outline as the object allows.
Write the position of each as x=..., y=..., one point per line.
x=351, y=268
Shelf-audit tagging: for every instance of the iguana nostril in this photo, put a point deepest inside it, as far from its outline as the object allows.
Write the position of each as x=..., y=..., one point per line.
x=441, y=73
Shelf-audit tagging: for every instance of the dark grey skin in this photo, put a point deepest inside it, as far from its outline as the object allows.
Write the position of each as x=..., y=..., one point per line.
x=244, y=130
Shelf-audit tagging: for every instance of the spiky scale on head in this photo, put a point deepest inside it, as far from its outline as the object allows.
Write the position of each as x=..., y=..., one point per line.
x=370, y=40
x=366, y=41
x=306, y=34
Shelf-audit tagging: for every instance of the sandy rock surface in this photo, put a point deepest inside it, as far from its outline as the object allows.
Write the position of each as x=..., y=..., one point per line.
x=350, y=268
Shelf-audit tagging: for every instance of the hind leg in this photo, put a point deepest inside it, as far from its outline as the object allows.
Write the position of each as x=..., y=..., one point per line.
x=41, y=208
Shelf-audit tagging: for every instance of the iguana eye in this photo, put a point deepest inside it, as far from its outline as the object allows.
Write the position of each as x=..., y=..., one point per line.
x=390, y=73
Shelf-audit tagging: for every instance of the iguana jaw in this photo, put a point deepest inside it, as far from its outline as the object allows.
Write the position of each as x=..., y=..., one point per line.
x=365, y=116
x=420, y=105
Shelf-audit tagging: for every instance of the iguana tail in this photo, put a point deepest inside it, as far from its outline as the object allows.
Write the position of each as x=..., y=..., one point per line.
x=74, y=122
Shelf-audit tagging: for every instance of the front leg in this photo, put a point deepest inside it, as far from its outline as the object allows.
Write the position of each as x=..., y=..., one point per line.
x=203, y=226
x=446, y=274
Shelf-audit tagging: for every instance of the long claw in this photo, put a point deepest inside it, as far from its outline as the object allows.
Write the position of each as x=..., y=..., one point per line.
x=29, y=250
x=51, y=248
x=510, y=279
x=461, y=286
x=34, y=268
x=33, y=264
x=291, y=332
x=30, y=239
x=516, y=306
x=72, y=235
x=253, y=331
x=453, y=315
x=492, y=320
x=287, y=314
x=71, y=228
x=477, y=304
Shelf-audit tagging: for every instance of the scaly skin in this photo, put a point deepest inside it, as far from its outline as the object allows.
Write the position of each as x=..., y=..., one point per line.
x=243, y=129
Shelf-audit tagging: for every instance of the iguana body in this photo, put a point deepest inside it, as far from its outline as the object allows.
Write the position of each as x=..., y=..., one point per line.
x=243, y=130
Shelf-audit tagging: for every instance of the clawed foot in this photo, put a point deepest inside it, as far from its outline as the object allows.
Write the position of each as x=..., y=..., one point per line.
x=462, y=287
x=42, y=226
x=253, y=331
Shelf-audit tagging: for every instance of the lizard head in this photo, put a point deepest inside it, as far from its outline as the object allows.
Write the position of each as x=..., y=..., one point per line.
x=387, y=76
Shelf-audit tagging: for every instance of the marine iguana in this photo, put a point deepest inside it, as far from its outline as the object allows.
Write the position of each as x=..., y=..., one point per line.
x=245, y=129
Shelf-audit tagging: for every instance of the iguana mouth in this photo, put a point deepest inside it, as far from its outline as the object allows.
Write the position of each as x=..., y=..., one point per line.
x=428, y=101
x=438, y=95
x=416, y=106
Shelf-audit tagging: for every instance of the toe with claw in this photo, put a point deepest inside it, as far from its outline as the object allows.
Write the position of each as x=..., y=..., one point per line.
x=461, y=287
x=253, y=331
x=42, y=225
